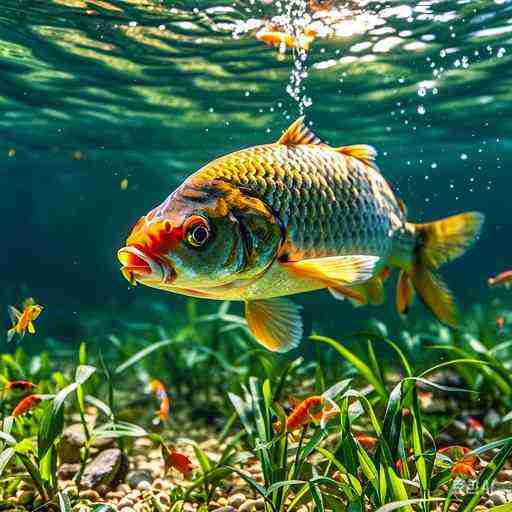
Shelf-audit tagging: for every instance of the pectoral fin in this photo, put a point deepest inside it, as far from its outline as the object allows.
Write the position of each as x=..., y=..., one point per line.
x=275, y=323
x=333, y=270
x=404, y=293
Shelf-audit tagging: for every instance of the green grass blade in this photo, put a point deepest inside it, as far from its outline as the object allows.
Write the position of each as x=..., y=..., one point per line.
x=486, y=477
x=5, y=458
x=64, y=502
x=404, y=504
x=142, y=354
x=317, y=497
x=364, y=370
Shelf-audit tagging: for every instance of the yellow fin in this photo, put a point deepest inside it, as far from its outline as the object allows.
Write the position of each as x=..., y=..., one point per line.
x=344, y=292
x=343, y=270
x=404, y=293
x=31, y=328
x=275, y=323
x=362, y=152
x=446, y=239
x=435, y=295
x=298, y=133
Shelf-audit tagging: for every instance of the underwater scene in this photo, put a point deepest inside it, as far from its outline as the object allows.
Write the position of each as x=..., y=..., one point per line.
x=256, y=255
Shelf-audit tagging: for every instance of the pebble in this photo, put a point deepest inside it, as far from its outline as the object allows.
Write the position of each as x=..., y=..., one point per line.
x=103, y=469
x=115, y=495
x=24, y=497
x=125, y=509
x=248, y=506
x=135, y=477
x=89, y=494
x=164, y=499
x=498, y=497
x=144, y=486
x=224, y=509
x=68, y=470
x=236, y=500
x=160, y=484
x=505, y=475
x=125, y=502
x=124, y=488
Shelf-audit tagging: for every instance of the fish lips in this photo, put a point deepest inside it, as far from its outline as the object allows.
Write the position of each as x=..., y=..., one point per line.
x=139, y=266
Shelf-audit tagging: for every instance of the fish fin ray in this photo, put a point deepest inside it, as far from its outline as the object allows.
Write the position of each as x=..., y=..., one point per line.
x=14, y=314
x=404, y=293
x=275, y=323
x=298, y=133
x=363, y=152
x=10, y=334
x=344, y=292
x=335, y=270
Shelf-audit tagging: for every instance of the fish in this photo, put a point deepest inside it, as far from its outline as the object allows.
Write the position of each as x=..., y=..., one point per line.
x=25, y=405
x=161, y=393
x=321, y=5
x=297, y=215
x=503, y=278
x=23, y=321
x=19, y=385
x=463, y=464
x=176, y=460
x=275, y=37
x=368, y=442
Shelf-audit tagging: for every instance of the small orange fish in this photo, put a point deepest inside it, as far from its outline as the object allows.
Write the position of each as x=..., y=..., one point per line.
x=159, y=389
x=475, y=427
x=320, y=5
x=23, y=321
x=303, y=413
x=176, y=460
x=504, y=278
x=368, y=442
x=275, y=37
x=463, y=469
x=26, y=405
x=500, y=322
x=19, y=385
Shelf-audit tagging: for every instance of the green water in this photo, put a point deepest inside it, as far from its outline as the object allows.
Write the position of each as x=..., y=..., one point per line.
x=92, y=93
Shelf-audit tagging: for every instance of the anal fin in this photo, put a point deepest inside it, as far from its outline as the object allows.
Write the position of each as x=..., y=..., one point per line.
x=275, y=323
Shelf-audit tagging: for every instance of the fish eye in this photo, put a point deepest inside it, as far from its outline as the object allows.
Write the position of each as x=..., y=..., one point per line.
x=198, y=232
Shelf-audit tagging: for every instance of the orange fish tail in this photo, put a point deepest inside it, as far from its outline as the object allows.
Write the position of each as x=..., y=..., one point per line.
x=437, y=243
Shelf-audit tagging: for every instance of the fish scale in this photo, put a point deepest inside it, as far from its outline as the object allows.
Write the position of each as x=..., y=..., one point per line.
x=329, y=203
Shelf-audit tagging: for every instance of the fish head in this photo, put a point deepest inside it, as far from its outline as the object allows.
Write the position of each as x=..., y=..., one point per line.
x=35, y=311
x=205, y=235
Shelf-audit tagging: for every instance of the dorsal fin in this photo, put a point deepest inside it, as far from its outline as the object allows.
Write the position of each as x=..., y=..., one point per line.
x=298, y=133
x=363, y=152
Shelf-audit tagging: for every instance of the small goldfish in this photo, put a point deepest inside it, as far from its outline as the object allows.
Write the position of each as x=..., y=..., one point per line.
x=464, y=470
x=161, y=393
x=25, y=405
x=293, y=216
x=504, y=278
x=176, y=460
x=475, y=427
x=23, y=321
x=463, y=464
x=275, y=37
x=19, y=385
x=500, y=323
x=320, y=5
x=368, y=442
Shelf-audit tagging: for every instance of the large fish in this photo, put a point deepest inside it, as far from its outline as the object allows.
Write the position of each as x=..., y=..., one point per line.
x=290, y=217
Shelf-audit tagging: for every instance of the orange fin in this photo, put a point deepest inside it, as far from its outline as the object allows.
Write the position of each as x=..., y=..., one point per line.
x=275, y=323
x=362, y=152
x=344, y=292
x=404, y=293
x=334, y=270
x=298, y=133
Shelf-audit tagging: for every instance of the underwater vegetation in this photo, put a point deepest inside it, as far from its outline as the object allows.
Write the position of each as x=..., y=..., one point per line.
x=193, y=417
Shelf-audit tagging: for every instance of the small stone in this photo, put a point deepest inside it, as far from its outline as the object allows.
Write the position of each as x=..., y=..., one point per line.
x=89, y=494
x=225, y=509
x=124, y=488
x=159, y=484
x=164, y=499
x=144, y=486
x=505, y=475
x=259, y=504
x=125, y=502
x=248, y=506
x=68, y=470
x=25, y=486
x=498, y=497
x=236, y=500
x=125, y=509
x=107, y=468
x=73, y=438
x=135, y=477
x=114, y=495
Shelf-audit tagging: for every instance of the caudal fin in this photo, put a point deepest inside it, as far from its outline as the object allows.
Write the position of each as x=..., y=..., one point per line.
x=437, y=243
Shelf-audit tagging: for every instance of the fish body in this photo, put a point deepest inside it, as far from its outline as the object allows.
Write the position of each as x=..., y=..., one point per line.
x=289, y=217
x=19, y=385
x=275, y=37
x=22, y=321
x=165, y=403
x=26, y=404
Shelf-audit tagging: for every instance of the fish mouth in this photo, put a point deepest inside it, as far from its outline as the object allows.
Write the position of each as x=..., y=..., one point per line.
x=139, y=266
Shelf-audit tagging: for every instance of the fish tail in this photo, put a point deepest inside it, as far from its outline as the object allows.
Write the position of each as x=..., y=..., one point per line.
x=10, y=334
x=435, y=244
